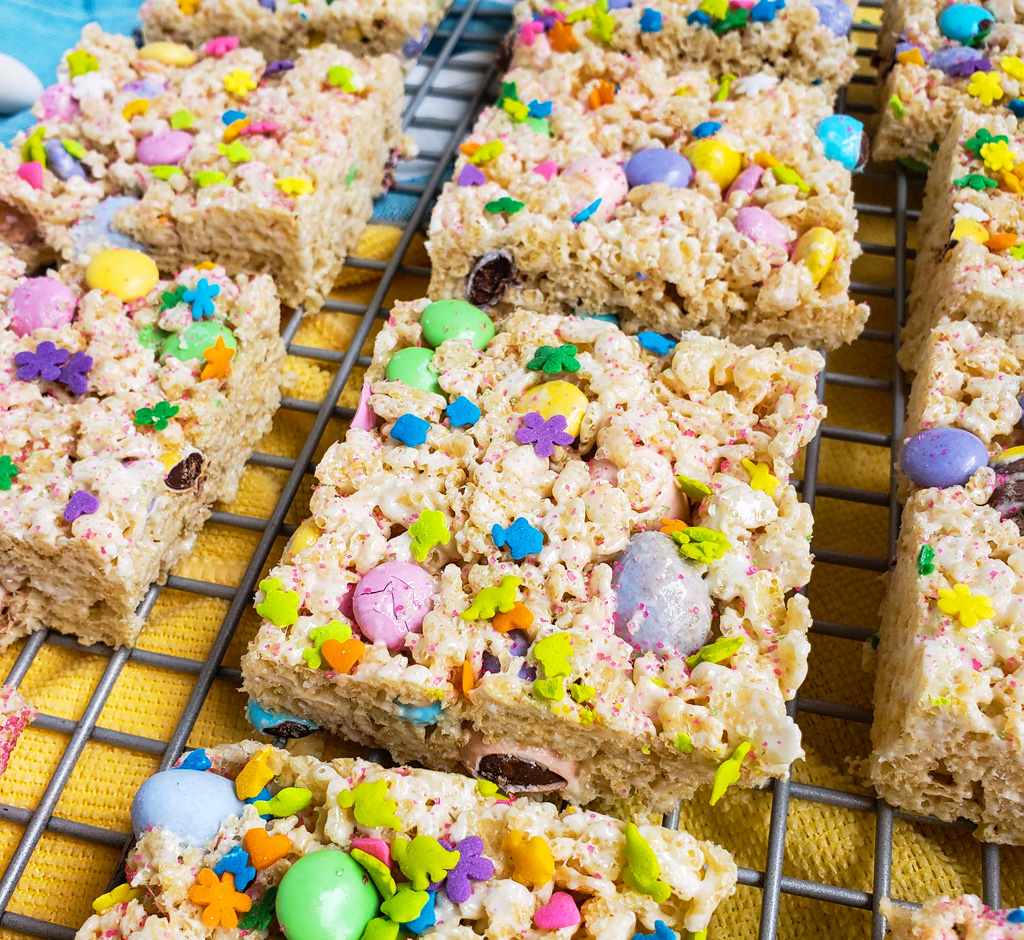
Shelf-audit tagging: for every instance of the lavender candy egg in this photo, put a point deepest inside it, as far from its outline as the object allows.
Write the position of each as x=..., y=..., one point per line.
x=145, y=87
x=61, y=162
x=595, y=178
x=954, y=59
x=662, y=603
x=166, y=148
x=657, y=165
x=96, y=228
x=942, y=457
x=759, y=226
x=391, y=600
x=39, y=302
x=834, y=15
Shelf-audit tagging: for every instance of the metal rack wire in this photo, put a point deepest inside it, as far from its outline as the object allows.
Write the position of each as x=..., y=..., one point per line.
x=474, y=27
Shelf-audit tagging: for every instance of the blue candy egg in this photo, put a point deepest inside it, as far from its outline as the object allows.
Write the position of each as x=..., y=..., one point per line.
x=190, y=803
x=834, y=15
x=657, y=165
x=60, y=161
x=954, y=59
x=963, y=21
x=418, y=714
x=844, y=140
x=95, y=228
x=942, y=457
x=278, y=724
x=662, y=602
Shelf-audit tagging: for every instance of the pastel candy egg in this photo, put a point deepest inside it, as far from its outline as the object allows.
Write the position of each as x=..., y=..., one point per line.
x=456, y=319
x=942, y=457
x=759, y=225
x=844, y=140
x=419, y=715
x=412, y=366
x=816, y=249
x=662, y=603
x=391, y=600
x=955, y=59
x=39, y=302
x=145, y=87
x=190, y=803
x=277, y=723
x=189, y=344
x=166, y=148
x=96, y=230
x=834, y=15
x=150, y=336
x=19, y=86
x=169, y=53
x=970, y=229
x=123, y=272
x=556, y=398
x=963, y=21
x=715, y=158
x=326, y=895
x=303, y=537
x=658, y=165
x=595, y=178
x=747, y=182
x=61, y=162
x=56, y=102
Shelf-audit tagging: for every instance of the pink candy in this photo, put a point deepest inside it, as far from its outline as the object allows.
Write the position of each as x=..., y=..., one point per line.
x=391, y=600
x=547, y=169
x=164, y=149
x=595, y=178
x=221, y=45
x=56, y=102
x=364, y=419
x=748, y=181
x=560, y=911
x=377, y=848
x=40, y=302
x=32, y=173
x=760, y=226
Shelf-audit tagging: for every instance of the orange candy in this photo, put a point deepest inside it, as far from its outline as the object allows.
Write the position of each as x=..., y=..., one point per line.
x=265, y=849
x=1001, y=242
x=222, y=903
x=603, y=94
x=341, y=657
x=563, y=39
x=520, y=617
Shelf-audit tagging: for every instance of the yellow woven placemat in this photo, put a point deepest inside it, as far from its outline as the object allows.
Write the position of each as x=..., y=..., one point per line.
x=823, y=844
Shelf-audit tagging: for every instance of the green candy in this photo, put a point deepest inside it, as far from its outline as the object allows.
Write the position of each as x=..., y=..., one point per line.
x=151, y=336
x=455, y=319
x=326, y=896
x=412, y=366
x=191, y=341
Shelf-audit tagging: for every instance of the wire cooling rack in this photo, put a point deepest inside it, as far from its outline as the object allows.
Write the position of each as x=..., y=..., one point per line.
x=473, y=28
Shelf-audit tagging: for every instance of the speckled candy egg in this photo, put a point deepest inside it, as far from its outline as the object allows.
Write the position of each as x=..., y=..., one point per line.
x=955, y=60
x=942, y=457
x=595, y=178
x=662, y=603
x=760, y=226
x=166, y=148
x=190, y=803
x=716, y=158
x=834, y=15
x=658, y=165
x=391, y=600
x=556, y=398
x=123, y=272
x=844, y=140
x=190, y=344
x=96, y=228
x=39, y=302
x=963, y=21
x=816, y=249
x=747, y=182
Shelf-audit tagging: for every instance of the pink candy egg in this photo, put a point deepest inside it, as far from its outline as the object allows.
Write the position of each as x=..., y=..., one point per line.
x=595, y=178
x=747, y=181
x=56, y=102
x=391, y=601
x=760, y=226
x=40, y=302
x=167, y=148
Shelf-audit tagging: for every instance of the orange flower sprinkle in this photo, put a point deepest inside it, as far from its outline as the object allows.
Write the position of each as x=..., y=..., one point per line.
x=222, y=902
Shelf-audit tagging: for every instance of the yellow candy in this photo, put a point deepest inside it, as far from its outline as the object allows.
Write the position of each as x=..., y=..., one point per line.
x=556, y=398
x=122, y=272
x=169, y=459
x=714, y=157
x=304, y=536
x=170, y=53
x=970, y=229
x=254, y=776
x=816, y=248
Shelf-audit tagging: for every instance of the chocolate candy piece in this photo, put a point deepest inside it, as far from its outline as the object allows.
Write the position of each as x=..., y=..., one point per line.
x=186, y=473
x=490, y=277
x=942, y=457
x=657, y=165
x=277, y=724
x=1008, y=496
x=518, y=773
x=190, y=803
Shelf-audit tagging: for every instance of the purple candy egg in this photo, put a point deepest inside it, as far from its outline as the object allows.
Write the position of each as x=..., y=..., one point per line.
x=657, y=165
x=145, y=87
x=760, y=226
x=61, y=162
x=391, y=601
x=520, y=642
x=834, y=15
x=39, y=302
x=942, y=457
x=164, y=148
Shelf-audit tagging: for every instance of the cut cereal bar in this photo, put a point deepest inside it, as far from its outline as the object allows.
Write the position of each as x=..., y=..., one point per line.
x=949, y=684
x=283, y=29
x=961, y=918
x=241, y=836
x=936, y=59
x=969, y=252
x=132, y=405
x=555, y=555
x=607, y=184
x=261, y=168
x=805, y=40
x=16, y=713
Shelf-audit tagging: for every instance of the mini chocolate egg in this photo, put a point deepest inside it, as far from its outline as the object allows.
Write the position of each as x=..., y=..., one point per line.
x=123, y=272
x=962, y=22
x=39, y=302
x=95, y=229
x=325, y=895
x=456, y=319
x=834, y=15
x=716, y=158
x=190, y=803
x=760, y=226
x=391, y=600
x=942, y=457
x=658, y=165
x=412, y=366
x=556, y=398
x=844, y=140
x=166, y=148
x=816, y=249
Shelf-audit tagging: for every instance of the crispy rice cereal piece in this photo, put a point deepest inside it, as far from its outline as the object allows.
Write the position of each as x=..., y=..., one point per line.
x=286, y=193
x=961, y=918
x=363, y=28
x=949, y=685
x=498, y=889
x=94, y=504
x=16, y=713
x=610, y=719
x=661, y=258
x=927, y=77
x=794, y=43
x=967, y=264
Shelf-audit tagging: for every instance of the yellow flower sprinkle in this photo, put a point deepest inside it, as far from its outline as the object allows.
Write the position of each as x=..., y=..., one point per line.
x=986, y=87
x=293, y=186
x=968, y=608
x=239, y=82
x=997, y=156
x=1013, y=67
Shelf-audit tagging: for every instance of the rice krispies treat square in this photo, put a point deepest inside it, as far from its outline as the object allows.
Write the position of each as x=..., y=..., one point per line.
x=284, y=29
x=962, y=918
x=124, y=420
x=528, y=670
x=16, y=713
x=526, y=222
x=949, y=685
x=214, y=155
x=805, y=41
x=929, y=73
x=435, y=851
x=968, y=234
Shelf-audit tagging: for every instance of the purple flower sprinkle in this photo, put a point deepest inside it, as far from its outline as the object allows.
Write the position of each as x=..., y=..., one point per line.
x=73, y=375
x=544, y=435
x=44, y=363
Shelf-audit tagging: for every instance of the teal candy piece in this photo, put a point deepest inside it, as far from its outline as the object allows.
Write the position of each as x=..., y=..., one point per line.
x=326, y=896
x=189, y=344
x=418, y=714
x=151, y=336
x=844, y=141
x=412, y=366
x=456, y=319
x=962, y=22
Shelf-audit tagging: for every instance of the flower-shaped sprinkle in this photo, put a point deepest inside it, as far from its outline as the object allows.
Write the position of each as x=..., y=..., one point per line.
x=218, y=359
x=968, y=608
x=293, y=186
x=158, y=415
x=221, y=45
x=975, y=181
x=8, y=471
x=221, y=901
x=700, y=544
x=81, y=62
x=551, y=359
x=544, y=434
x=235, y=151
x=239, y=83
x=44, y=363
x=997, y=155
x=1013, y=67
x=983, y=136
x=201, y=298
x=471, y=865
x=986, y=87
x=73, y=374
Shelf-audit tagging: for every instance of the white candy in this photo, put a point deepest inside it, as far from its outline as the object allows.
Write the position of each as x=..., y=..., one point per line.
x=969, y=211
x=19, y=86
x=754, y=84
